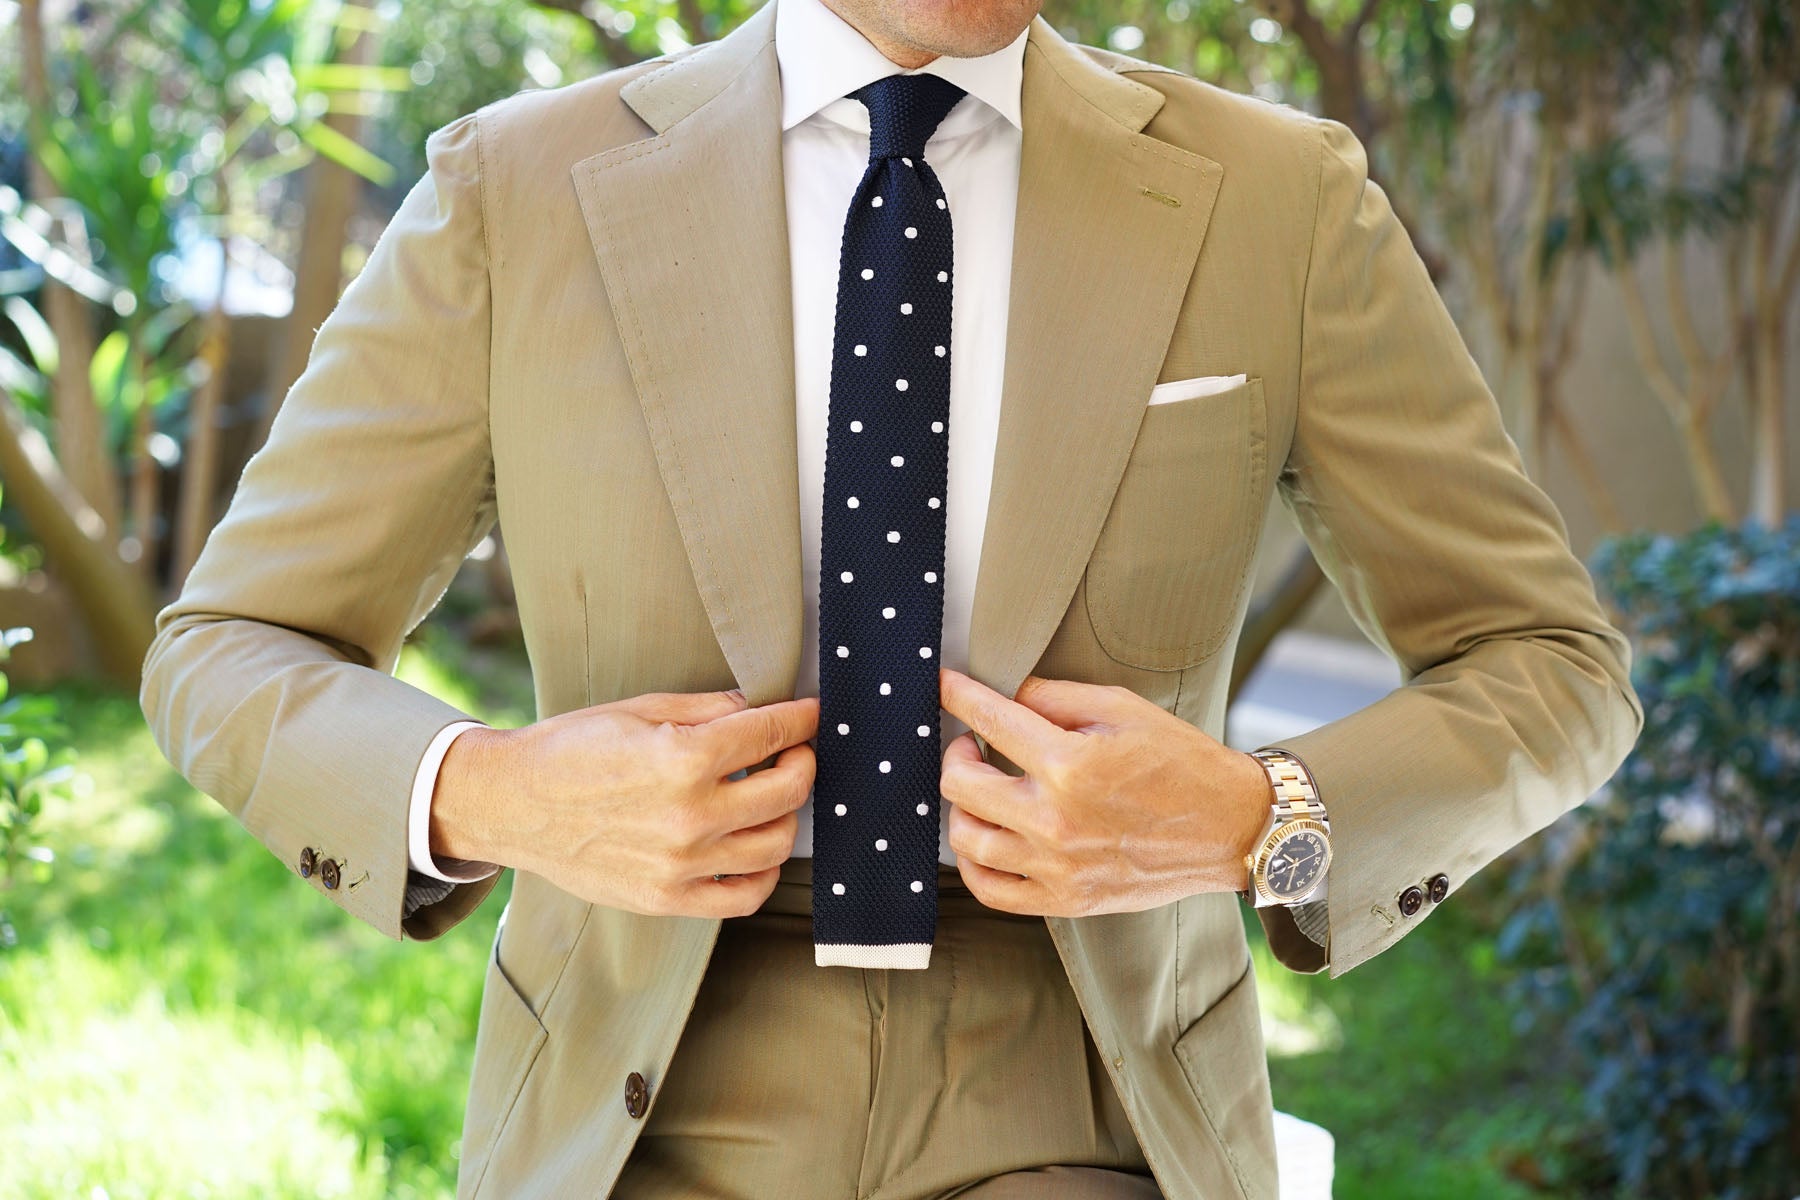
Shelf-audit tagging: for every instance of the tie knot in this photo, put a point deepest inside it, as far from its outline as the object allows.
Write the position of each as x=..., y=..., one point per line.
x=904, y=110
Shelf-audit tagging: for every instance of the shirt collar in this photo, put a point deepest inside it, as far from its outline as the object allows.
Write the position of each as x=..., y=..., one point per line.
x=823, y=58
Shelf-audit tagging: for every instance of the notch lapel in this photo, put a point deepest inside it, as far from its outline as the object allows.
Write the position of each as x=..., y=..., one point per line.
x=1108, y=230
x=690, y=228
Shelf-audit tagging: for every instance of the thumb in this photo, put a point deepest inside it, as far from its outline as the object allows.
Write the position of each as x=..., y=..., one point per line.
x=685, y=708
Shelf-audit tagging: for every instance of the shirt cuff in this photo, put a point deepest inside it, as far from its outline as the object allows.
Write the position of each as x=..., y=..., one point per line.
x=418, y=816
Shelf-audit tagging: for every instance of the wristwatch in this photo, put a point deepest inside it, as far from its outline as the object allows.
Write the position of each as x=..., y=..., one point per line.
x=1289, y=860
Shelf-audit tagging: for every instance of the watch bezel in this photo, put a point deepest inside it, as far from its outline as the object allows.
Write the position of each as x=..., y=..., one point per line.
x=1275, y=837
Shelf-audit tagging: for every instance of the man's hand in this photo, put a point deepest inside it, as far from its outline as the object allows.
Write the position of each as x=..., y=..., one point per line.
x=1123, y=806
x=627, y=804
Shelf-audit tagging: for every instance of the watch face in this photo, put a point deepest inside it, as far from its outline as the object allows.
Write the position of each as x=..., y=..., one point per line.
x=1296, y=863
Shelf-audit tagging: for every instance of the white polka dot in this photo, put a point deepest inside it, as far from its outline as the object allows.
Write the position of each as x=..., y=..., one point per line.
x=940, y=202
x=943, y=277
x=875, y=203
x=886, y=688
x=931, y=577
x=881, y=843
x=868, y=272
x=907, y=161
x=843, y=652
x=900, y=384
x=843, y=728
x=924, y=731
x=856, y=427
x=924, y=651
x=888, y=612
x=934, y=502
x=911, y=232
x=906, y=307
x=886, y=766
x=853, y=502
x=937, y=427
x=917, y=886
x=861, y=350
x=893, y=535
x=941, y=351
x=898, y=460
x=847, y=577
x=837, y=889
x=923, y=809
x=841, y=810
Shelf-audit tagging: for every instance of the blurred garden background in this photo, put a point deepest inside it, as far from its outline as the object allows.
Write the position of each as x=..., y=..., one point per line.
x=1608, y=193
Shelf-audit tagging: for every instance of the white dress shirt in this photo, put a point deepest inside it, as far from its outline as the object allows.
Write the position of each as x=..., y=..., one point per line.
x=825, y=150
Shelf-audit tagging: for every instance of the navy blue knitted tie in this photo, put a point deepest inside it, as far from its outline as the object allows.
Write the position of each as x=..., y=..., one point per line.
x=881, y=555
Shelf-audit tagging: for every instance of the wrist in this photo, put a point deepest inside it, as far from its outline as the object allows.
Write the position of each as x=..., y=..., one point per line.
x=462, y=814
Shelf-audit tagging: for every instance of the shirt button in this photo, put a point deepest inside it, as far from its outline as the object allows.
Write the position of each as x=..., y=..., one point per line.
x=328, y=872
x=307, y=860
x=1439, y=887
x=1411, y=900
x=637, y=1096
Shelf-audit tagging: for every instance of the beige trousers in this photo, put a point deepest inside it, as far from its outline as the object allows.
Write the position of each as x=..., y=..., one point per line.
x=973, y=1078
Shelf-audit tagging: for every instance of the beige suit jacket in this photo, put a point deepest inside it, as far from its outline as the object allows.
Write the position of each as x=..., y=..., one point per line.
x=578, y=324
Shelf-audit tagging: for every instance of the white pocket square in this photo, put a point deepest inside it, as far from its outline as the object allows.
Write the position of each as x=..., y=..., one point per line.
x=1188, y=389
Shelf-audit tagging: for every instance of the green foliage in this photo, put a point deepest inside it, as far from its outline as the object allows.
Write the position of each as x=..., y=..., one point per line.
x=115, y=155
x=1424, y=1086
x=1664, y=941
x=184, y=1016
x=30, y=772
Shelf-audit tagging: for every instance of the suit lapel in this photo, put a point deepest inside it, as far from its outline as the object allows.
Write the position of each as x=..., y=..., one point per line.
x=1108, y=229
x=690, y=228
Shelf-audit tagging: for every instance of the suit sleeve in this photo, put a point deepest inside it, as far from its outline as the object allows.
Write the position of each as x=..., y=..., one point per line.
x=269, y=682
x=1516, y=702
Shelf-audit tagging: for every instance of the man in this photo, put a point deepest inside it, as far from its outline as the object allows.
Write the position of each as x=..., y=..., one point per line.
x=621, y=317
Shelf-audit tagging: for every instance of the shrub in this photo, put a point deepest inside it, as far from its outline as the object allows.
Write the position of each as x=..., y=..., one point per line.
x=1663, y=927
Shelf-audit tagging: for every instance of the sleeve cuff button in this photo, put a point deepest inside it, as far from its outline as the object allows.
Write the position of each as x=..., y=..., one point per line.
x=308, y=860
x=1411, y=900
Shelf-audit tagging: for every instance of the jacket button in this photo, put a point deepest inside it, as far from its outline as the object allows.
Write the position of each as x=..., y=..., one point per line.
x=1439, y=887
x=307, y=860
x=328, y=871
x=1411, y=900
x=637, y=1096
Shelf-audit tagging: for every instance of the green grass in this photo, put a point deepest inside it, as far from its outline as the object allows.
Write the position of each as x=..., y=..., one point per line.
x=182, y=1016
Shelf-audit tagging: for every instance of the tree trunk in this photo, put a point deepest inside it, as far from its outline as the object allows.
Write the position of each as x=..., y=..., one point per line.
x=80, y=432
x=200, y=458
x=115, y=601
x=332, y=193
x=146, y=477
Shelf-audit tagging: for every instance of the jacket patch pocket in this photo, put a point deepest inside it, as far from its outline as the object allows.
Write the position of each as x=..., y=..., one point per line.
x=1223, y=1058
x=1172, y=561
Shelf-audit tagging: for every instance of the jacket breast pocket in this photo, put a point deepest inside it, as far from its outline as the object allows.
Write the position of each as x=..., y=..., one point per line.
x=1173, y=558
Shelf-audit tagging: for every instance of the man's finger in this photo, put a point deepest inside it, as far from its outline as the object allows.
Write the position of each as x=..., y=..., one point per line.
x=744, y=738
x=984, y=790
x=1019, y=733
x=1073, y=704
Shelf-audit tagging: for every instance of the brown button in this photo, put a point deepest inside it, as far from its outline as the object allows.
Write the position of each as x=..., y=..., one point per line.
x=637, y=1096
x=1439, y=887
x=1411, y=900
x=328, y=871
x=307, y=859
